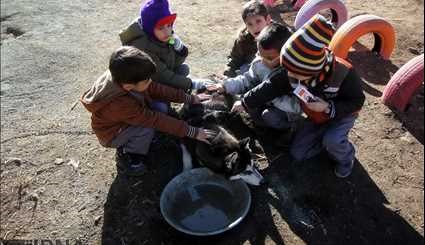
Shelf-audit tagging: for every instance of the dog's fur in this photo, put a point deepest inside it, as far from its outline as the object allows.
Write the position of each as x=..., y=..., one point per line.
x=226, y=154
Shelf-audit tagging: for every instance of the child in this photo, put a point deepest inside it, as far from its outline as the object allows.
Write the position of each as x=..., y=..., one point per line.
x=120, y=103
x=335, y=86
x=153, y=33
x=282, y=112
x=255, y=17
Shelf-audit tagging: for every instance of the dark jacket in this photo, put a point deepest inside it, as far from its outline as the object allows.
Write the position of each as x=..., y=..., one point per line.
x=167, y=59
x=341, y=88
x=243, y=52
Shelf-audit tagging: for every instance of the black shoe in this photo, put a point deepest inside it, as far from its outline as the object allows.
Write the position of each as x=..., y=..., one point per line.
x=130, y=164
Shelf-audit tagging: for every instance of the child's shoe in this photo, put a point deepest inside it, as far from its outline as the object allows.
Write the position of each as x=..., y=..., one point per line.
x=130, y=164
x=344, y=170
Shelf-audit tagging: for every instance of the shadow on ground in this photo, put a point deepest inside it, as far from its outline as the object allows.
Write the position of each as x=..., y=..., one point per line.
x=372, y=68
x=412, y=118
x=304, y=199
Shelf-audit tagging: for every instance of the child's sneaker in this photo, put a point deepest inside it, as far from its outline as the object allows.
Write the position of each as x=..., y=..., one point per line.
x=343, y=171
x=130, y=164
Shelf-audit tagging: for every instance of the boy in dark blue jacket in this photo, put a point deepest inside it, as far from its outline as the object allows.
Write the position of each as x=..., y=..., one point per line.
x=337, y=95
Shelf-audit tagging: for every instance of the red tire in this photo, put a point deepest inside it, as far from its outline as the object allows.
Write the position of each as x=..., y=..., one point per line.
x=312, y=7
x=404, y=83
x=360, y=25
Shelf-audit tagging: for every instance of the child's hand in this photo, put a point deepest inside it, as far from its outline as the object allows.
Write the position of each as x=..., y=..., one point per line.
x=319, y=105
x=205, y=134
x=197, y=99
x=238, y=107
x=220, y=77
x=216, y=87
x=176, y=42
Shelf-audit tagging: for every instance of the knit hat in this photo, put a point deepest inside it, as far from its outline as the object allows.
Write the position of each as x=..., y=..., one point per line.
x=305, y=51
x=155, y=13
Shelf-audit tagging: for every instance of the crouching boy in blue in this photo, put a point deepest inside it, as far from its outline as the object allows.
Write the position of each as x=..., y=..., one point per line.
x=122, y=112
x=335, y=85
x=280, y=113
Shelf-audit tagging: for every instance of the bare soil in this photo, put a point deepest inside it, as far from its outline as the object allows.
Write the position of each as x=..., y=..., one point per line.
x=57, y=182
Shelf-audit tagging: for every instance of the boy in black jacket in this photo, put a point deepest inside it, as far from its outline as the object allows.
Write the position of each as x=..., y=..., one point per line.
x=337, y=95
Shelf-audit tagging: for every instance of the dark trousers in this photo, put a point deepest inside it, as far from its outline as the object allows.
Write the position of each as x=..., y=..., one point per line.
x=137, y=139
x=332, y=136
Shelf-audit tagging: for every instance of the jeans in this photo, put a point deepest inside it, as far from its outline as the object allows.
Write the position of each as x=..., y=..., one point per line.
x=137, y=139
x=331, y=136
x=272, y=117
x=134, y=139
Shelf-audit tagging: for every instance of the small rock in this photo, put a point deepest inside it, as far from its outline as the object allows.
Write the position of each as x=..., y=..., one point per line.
x=97, y=219
x=407, y=138
x=59, y=161
x=16, y=161
x=34, y=197
x=74, y=163
x=414, y=51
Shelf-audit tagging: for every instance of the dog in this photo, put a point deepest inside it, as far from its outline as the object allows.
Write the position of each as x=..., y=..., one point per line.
x=225, y=154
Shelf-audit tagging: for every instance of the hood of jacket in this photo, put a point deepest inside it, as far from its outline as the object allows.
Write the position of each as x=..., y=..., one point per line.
x=135, y=32
x=101, y=93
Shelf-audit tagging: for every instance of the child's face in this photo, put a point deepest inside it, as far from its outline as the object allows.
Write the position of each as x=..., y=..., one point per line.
x=163, y=33
x=138, y=87
x=271, y=57
x=256, y=23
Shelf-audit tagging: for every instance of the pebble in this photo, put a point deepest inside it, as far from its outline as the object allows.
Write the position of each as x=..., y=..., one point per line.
x=59, y=161
x=14, y=160
x=97, y=219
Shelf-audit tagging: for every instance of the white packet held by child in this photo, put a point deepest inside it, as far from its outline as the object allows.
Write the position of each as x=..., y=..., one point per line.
x=302, y=92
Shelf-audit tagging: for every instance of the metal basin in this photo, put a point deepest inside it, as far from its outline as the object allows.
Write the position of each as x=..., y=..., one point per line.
x=201, y=203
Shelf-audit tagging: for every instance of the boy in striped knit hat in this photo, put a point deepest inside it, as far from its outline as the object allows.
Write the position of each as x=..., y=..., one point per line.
x=336, y=94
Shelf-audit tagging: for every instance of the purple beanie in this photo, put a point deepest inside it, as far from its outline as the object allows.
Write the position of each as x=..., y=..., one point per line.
x=152, y=12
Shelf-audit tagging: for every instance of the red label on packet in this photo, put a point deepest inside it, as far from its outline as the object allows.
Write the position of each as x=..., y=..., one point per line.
x=303, y=94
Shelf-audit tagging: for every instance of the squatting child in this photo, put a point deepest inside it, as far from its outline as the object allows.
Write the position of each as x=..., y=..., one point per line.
x=337, y=94
x=255, y=17
x=122, y=117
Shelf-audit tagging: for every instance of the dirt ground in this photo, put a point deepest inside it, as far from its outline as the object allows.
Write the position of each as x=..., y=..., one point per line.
x=57, y=182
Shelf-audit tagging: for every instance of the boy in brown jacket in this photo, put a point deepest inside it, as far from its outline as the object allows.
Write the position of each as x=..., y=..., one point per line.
x=255, y=17
x=122, y=113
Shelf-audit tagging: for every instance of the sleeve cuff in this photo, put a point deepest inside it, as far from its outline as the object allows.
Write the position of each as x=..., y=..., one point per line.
x=188, y=99
x=192, y=132
x=183, y=51
x=243, y=104
x=332, y=111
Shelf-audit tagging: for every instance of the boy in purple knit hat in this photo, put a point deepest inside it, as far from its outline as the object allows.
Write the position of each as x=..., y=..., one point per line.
x=153, y=33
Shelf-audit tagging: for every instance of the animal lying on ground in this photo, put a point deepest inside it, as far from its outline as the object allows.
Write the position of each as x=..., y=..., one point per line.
x=225, y=154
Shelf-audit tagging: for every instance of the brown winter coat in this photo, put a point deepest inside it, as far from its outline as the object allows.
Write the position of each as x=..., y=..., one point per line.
x=114, y=109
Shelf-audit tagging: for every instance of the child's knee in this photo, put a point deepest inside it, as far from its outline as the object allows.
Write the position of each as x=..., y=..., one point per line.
x=274, y=119
x=183, y=70
x=297, y=154
x=331, y=141
x=269, y=117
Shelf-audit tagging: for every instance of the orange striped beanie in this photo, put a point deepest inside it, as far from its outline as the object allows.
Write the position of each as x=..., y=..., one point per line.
x=305, y=51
